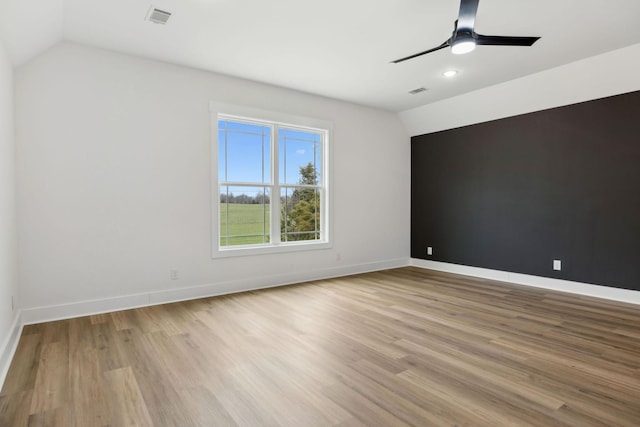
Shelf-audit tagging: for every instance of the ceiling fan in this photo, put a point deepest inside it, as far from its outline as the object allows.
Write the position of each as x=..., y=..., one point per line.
x=464, y=39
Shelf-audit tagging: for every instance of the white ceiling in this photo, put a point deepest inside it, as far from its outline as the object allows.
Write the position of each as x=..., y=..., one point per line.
x=335, y=48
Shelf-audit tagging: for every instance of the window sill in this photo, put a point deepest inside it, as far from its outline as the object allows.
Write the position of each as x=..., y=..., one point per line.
x=269, y=249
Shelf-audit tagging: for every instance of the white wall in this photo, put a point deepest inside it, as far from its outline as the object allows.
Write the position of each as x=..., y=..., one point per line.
x=114, y=181
x=8, y=273
x=604, y=75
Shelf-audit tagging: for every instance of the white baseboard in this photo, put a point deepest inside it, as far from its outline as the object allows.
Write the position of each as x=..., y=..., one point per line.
x=606, y=292
x=10, y=345
x=85, y=308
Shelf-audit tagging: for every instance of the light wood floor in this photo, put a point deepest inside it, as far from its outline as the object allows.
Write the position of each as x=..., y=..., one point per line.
x=394, y=348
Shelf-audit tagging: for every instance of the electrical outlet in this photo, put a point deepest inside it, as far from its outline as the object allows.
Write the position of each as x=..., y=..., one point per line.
x=173, y=274
x=557, y=264
x=429, y=250
x=338, y=257
x=12, y=304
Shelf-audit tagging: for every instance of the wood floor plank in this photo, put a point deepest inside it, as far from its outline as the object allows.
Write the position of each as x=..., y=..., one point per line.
x=402, y=347
x=162, y=399
x=15, y=408
x=24, y=366
x=127, y=406
x=51, y=387
x=362, y=408
x=87, y=389
x=205, y=408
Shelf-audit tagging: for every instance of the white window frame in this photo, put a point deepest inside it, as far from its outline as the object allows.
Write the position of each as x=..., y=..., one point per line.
x=230, y=111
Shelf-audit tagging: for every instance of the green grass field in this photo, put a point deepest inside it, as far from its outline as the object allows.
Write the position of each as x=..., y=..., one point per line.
x=248, y=224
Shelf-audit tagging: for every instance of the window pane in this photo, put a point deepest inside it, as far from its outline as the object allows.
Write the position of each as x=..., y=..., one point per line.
x=300, y=214
x=244, y=215
x=244, y=152
x=300, y=156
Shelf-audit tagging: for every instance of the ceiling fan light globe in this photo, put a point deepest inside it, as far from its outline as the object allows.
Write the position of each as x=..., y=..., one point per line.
x=462, y=47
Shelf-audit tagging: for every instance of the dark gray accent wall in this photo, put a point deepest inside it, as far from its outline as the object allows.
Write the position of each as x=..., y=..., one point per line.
x=516, y=193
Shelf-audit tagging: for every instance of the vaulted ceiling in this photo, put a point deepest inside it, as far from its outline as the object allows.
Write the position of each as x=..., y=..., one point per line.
x=335, y=48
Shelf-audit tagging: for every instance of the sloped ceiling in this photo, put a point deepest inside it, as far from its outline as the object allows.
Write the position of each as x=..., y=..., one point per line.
x=335, y=48
x=30, y=27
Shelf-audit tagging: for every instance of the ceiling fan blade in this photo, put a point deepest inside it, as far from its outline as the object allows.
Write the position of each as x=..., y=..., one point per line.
x=505, y=40
x=467, y=15
x=442, y=46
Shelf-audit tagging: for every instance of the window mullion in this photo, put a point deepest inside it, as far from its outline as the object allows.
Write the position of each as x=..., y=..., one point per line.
x=275, y=180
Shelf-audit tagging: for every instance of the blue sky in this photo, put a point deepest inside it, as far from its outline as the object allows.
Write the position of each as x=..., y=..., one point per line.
x=244, y=146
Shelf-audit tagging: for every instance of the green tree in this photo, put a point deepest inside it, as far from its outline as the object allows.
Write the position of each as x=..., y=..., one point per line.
x=302, y=211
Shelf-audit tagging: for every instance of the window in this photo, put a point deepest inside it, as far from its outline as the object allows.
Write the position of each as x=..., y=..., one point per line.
x=271, y=188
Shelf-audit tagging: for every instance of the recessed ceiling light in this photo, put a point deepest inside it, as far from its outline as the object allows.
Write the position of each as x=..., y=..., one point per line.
x=450, y=73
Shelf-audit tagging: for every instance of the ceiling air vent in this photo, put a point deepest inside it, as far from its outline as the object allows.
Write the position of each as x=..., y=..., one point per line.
x=415, y=91
x=158, y=16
